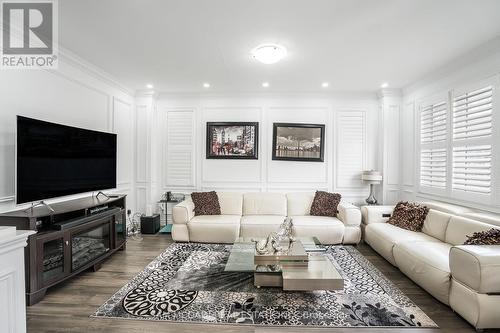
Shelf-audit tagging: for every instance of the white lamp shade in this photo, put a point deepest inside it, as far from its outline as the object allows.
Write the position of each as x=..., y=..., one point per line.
x=371, y=177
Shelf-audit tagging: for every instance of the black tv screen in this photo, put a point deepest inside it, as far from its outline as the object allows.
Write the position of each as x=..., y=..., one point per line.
x=55, y=160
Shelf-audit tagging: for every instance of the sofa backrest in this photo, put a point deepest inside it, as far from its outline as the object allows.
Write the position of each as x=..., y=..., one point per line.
x=264, y=203
x=435, y=224
x=488, y=218
x=447, y=208
x=460, y=227
x=231, y=203
x=299, y=203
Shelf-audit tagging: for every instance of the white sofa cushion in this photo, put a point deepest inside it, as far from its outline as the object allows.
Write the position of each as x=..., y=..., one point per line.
x=216, y=219
x=435, y=224
x=214, y=228
x=382, y=237
x=260, y=226
x=264, y=204
x=460, y=227
x=299, y=203
x=328, y=230
x=427, y=264
x=231, y=203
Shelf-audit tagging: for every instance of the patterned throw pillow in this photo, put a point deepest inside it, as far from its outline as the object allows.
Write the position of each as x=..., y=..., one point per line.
x=488, y=237
x=205, y=203
x=325, y=204
x=409, y=216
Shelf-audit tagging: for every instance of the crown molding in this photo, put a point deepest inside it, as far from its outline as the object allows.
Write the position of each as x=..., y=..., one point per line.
x=76, y=61
x=270, y=94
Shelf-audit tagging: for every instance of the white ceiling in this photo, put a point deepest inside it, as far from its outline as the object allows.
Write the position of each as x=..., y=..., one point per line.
x=355, y=45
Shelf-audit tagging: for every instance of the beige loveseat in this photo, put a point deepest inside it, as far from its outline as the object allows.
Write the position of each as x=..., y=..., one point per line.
x=257, y=214
x=466, y=277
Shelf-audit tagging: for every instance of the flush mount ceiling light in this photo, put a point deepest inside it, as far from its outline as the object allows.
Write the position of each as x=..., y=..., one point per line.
x=149, y=86
x=269, y=53
x=325, y=84
x=206, y=85
x=384, y=85
x=265, y=84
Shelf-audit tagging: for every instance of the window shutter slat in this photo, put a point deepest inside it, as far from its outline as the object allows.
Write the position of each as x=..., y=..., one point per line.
x=433, y=168
x=472, y=169
x=433, y=123
x=473, y=114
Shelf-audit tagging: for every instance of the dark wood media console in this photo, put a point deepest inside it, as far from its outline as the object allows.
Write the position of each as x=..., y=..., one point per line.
x=77, y=236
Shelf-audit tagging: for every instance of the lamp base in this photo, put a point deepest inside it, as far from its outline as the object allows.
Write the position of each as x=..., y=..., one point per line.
x=371, y=200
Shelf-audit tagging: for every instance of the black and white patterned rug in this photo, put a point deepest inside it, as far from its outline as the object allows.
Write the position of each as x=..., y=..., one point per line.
x=187, y=283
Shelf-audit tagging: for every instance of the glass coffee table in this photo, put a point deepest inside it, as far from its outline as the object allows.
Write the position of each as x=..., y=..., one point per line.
x=292, y=269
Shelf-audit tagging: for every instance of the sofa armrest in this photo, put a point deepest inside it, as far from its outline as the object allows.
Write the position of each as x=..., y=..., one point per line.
x=349, y=214
x=376, y=214
x=477, y=266
x=183, y=212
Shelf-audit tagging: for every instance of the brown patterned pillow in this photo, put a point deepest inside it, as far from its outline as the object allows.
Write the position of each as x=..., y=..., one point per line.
x=205, y=203
x=409, y=216
x=325, y=204
x=488, y=237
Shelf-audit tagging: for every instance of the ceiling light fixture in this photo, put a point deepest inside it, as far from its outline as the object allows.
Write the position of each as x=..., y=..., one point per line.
x=265, y=84
x=269, y=53
x=206, y=85
x=325, y=84
x=149, y=86
x=384, y=85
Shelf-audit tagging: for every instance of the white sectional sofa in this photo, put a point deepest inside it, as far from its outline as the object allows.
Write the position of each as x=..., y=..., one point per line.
x=257, y=214
x=466, y=277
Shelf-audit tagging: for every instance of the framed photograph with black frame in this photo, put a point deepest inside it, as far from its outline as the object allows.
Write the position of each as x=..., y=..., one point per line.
x=298, y=142
x=232, y=140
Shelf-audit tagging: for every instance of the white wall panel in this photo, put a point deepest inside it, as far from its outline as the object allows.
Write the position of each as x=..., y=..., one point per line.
x=141, y=142
x=408, y=144
x=123, y=126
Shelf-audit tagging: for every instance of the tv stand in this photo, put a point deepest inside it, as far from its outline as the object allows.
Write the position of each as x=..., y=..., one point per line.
x=71, y=237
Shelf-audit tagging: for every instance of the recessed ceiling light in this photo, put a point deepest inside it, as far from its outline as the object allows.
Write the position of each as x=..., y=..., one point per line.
x=149, y=86
x=325, y=84
x=206, y=85
x=269, y=53
x=384, y=85
x=265, y=84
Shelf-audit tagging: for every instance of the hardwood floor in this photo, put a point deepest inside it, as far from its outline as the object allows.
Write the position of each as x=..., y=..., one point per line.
x=67, y=307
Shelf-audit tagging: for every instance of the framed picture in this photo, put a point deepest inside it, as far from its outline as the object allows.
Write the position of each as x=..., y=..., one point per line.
x=298, y=142
x=232, y=140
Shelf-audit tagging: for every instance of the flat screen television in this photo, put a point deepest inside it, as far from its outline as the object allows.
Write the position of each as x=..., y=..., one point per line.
x=55, y=160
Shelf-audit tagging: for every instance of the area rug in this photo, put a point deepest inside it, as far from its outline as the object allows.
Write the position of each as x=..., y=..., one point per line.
x=187, y=283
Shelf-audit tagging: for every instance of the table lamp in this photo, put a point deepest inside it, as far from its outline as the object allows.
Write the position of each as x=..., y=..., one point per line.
x=371, y=177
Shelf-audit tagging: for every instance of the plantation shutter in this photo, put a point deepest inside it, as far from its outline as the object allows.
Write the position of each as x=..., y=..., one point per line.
x=472, y=141
x=433, y=153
